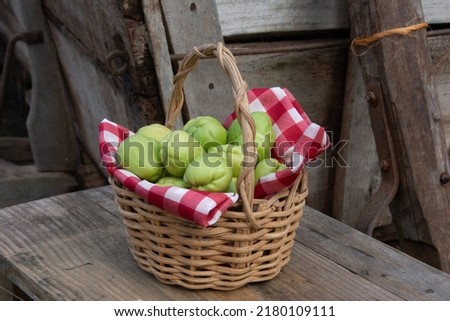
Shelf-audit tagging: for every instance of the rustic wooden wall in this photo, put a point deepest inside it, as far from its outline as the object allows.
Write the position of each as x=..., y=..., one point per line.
x=48, y=120
x=316, y=76
x=150, y=32
x=85, y=33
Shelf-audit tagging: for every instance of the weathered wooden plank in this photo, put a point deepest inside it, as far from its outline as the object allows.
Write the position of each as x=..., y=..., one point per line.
x=436, y=11
x=288, y=16
x=108, y=27
x=6, y=286
x=66, y=253
x=24, y=183
x=9, y=25
x=95, y=94
x=239, y=17
x=95, y=91
x=440, y=49
x=403, y=69
x=159, y=48
x=93, y=24
x=358, y=180
x=385, y=266
x=73, y=247
x=355, y=184
x=189, y=24
x=8, y=21
x=16, y=149
x=49, y=116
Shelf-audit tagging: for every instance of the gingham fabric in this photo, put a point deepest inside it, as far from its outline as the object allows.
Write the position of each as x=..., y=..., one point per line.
x=298, y=140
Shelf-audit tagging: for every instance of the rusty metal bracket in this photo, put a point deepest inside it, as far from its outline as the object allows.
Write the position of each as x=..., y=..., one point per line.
x=31, y=37
x=390, y=178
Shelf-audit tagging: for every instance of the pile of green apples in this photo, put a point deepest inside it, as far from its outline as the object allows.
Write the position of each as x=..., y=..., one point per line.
x=203, y=155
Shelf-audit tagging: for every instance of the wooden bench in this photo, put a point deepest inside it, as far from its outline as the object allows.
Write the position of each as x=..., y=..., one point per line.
x=73, y=247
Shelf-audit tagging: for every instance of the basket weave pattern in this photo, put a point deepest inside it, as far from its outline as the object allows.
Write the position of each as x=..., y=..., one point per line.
x=250, y=242
x=225, y=256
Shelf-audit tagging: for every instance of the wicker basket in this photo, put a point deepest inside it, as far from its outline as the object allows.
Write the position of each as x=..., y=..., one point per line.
x=251, y=241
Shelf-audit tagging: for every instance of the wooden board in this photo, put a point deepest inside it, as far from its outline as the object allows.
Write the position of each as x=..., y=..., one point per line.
x=207, y=89
x=357, y=183
x=159, y=48
x=6, y=287
x=130, y=99
x=439, y=49
x=73, y=247
x=421, y=205
x=24, y=183
x=15, y=149
x=371, y=259
x=96, y=95
x=49, y=124
x=293, y=16
x=359, y=179
x=274, y=16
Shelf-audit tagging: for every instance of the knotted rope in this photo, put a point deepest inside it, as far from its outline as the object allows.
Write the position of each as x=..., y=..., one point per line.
x=373, y=39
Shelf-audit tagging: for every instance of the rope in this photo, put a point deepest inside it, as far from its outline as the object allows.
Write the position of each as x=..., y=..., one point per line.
x=369, y=41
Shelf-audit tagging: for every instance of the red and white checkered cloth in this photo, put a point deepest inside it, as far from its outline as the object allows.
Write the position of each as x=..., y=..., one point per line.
x=298, y=140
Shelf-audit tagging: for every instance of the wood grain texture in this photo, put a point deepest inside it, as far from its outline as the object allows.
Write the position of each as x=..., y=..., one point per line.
x=385, y=266
x=207, y=89
x=126, y=99
x=95, y=93
x=91, y=24
x=73, y=247
x=6, y=286
x=15, y=149
x=191, y=24
x=358, y=180
x=49, y=118
x=440, y=55
x=274, y=16
x=159, y=48
x=403, y=68
x=24, y=183
x=436, y=11
x=354, y=185
x=288, y=16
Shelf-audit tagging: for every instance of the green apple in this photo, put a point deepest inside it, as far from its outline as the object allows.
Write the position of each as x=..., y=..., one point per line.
x=208, y=172
x=178, y=149
x=207, y=130
x=232, y=188
x=155, y=131
x=172, y=181
x=141, y=156
x=233, y=154
x=267, y=166
x=264, y=136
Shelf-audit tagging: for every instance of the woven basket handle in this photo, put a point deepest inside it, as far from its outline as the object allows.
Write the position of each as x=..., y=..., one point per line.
x=246, y=181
